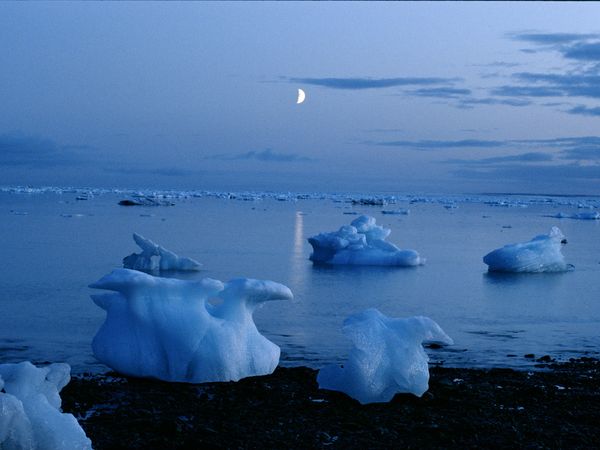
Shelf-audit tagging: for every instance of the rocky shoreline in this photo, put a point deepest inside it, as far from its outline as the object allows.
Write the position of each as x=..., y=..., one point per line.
x=557, y=406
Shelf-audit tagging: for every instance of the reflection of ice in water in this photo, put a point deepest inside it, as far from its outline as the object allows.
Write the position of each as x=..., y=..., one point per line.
x=297, y=257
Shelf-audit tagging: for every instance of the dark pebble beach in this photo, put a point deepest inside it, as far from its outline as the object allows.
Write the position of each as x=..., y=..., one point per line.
x=557, y=405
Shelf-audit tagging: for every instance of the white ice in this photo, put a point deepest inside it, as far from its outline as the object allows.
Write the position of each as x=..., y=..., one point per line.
x=188, y=331
x=397, y=212
x=387, y=358
x=361, y=243
x=541, y=254
x=592, y=215
x=154, y=257
x=30, y=416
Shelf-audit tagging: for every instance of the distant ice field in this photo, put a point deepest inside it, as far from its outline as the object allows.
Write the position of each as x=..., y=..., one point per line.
x=53, y=246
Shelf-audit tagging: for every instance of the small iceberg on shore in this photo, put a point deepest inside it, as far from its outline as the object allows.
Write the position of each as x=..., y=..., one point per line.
x=30, y=416
x=387, y=358
x=361, y=243
x=541, y=254
x=155, y=257
x=186, y=331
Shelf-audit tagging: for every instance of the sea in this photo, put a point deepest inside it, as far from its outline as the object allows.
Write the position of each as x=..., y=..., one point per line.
x=55, y=242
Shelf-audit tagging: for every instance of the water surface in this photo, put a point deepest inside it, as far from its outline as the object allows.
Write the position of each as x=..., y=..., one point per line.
x=53, y=246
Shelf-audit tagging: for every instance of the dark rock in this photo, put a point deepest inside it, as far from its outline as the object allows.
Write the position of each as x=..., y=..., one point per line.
x=129, y=203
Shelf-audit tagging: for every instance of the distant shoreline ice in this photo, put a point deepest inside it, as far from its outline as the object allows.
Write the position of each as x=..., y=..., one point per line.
x=518, y=200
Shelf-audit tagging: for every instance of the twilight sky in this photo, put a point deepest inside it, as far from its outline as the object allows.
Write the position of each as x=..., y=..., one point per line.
x=401, y=97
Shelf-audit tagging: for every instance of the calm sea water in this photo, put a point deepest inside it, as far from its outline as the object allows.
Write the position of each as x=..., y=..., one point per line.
x=51, y=254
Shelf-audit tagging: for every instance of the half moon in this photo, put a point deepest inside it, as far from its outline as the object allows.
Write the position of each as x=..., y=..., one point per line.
x=301, y=96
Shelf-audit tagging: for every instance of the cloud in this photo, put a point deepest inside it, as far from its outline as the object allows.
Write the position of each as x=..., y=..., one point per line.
x=578, y=148
x=563, y=142
x=370, y=83
x=583, y=153
x=552, y=85
x=581, y=80
x=161, y=171
x=434, y=145
x=527, y=91
x=441, y=92
x=499, y=160
x=539, y=173
x=551, y=38
x=36, y=152
x=384, y=130
x=470, y=102
x=585, y=111
x=583, y=51
x=498, y=64
x=267, y=155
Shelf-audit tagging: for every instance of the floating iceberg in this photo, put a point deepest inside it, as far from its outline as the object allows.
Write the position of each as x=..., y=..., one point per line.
x=387, y=358
x=167, y=260
x=188, y=331
x=541, y=254
x=361, y=243
x=30, y=416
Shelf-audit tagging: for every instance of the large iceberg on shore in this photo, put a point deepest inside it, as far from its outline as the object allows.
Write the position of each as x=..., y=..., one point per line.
x=187, y=331
x=361, y=243
x=541, y=254
x=387, y=358
x=30, y=416
x=154, y=257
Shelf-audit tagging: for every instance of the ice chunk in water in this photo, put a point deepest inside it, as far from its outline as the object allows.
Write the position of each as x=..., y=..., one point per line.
x=541, y=254
x=154, y=257
x=361, y=243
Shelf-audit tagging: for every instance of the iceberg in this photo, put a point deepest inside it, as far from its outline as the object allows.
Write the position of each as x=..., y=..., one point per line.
x=387, y=358
x=361, y=243
x=154, y=257
x=186, y=331
x=541, y=254
x=30, y=416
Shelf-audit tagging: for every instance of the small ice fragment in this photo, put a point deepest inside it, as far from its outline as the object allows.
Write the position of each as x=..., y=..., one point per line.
x=541, y=254
x=397, y=212
x=387, y=358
